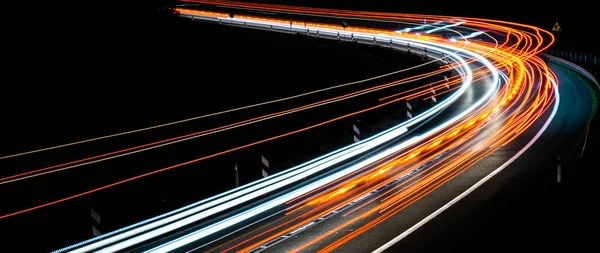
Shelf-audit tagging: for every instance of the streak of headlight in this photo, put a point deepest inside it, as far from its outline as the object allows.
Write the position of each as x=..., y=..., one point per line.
x=201, y=233
x=419, y=27
x=472, y=35
x=131, y=242
x=480, y=182
x=445, y=27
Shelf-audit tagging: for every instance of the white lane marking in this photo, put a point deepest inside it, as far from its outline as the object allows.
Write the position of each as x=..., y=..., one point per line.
x=476, y=185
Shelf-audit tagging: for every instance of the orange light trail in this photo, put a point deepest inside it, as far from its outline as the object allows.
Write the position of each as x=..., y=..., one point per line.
x=525, y=98
x=145, y=147
x=199, y=159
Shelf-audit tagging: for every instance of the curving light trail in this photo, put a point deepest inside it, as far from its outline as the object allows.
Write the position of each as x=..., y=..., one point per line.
x=174, y=140
x=528, y=94
x=520, y=91
x=422, y=91
x=194, y=213
x=178, y=139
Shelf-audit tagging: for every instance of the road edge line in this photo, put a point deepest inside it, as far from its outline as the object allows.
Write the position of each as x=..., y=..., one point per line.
x=479, y=183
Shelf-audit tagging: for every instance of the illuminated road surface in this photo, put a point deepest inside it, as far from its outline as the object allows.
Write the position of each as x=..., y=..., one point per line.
x=558, y=139
x=372, y=194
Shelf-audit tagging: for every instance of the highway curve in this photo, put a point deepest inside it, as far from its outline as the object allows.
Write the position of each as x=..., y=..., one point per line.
x=534, y=210
x=370, y=198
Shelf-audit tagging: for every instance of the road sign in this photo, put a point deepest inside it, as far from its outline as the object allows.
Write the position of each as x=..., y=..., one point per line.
x=556, y=27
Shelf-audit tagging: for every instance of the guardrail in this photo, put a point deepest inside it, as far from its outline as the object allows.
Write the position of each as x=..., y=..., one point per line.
x=585, y=73
x=572, y=66
x=164, y=224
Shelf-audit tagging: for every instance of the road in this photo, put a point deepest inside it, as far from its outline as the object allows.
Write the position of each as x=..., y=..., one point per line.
x=48, y=176
x=534, y=209
x=128, y=204
x=388, y=182
x=402, y=178
x=447, y=229
x=476, y=90
x=375, y=237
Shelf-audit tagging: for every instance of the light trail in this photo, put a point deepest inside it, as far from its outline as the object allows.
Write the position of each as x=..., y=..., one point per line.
x=150, y=146
x=411, y=122
x=497, y=118
x=212, y=114
x=445, y=27
x=399, y=202
x=174, y=140
x=170, y=141
x=509, y=130
x=236, y=219
x=479, y=183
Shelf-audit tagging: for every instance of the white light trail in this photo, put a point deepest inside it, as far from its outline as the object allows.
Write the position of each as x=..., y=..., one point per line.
x=445, y=27
x=201, y=233
x=419, y=27
x=152, y=228
x=480, y=182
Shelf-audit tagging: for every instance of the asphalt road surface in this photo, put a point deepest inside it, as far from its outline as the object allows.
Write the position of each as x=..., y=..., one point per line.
x=538, y=161
x=521, y=208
